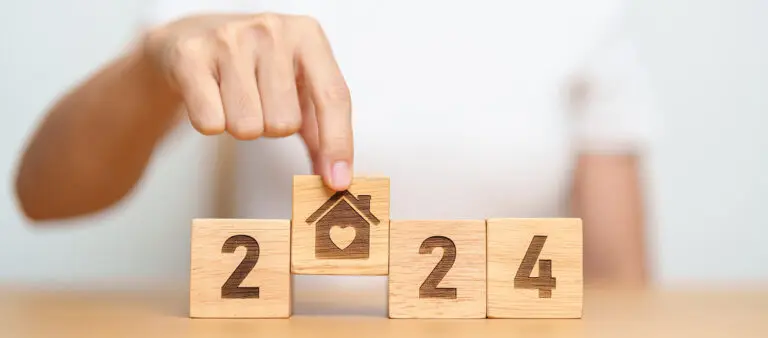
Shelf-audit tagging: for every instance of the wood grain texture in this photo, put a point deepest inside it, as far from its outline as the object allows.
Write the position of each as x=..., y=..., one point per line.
x=240, y=268
x=420, y=254
x=340, y=233
x=524, y=284
x=688, y=310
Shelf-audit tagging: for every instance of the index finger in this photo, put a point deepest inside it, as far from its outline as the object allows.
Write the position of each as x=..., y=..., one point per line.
x=333, y=107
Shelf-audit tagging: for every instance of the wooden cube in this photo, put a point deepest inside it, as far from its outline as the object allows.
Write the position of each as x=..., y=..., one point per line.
x=437, y=269
x=240, y=268
x=340, y=233
x=535, y=268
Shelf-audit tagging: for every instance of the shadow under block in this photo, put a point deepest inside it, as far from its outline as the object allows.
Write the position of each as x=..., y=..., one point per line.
x=437, y=269
x=535, y=268
x=240, y=268
x=340, y=233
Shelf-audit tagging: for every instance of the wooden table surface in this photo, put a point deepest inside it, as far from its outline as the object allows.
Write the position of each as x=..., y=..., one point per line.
x=734, y=311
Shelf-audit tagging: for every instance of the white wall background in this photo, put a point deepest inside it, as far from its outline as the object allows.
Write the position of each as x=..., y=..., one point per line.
x=708, y=60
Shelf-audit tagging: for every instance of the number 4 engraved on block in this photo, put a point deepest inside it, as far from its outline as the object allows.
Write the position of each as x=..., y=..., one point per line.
x=545, y=283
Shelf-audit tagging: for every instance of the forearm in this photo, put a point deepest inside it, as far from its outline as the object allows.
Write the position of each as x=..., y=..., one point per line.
x=608, y=198
x=95, y=142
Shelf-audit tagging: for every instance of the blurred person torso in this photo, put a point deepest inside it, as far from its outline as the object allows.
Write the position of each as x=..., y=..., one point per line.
x=474, y=109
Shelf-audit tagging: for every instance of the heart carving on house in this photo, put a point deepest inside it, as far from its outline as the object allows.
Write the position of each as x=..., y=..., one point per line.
x=343, y=227
x=342, y=237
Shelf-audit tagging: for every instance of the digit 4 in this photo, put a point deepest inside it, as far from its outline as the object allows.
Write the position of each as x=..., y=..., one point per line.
x=545, y=283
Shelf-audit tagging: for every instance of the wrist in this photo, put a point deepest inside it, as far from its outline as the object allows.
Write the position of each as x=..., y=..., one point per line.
x=154, y=86
x=141, y=105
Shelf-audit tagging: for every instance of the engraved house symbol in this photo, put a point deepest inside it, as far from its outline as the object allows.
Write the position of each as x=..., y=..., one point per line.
x=343, y=213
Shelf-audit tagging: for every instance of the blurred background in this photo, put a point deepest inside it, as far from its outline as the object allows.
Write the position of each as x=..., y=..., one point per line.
x=708, y=62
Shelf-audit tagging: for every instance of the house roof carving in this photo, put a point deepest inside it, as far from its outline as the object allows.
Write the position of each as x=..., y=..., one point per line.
x=363, y=204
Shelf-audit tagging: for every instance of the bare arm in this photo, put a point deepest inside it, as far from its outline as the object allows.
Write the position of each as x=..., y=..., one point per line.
x=95, y=142
x=250, y=75
x=607, y=196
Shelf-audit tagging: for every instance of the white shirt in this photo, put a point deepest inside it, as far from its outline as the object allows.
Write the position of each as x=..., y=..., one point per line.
x=463, y=104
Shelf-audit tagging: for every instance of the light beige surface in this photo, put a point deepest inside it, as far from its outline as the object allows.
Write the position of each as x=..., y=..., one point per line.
x=408, y=269
x=210, y=268
x=729, y=310
x=508, y=241
x=309, y=194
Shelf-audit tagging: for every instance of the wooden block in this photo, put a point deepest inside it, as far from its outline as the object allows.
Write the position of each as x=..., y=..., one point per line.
x=340, y=233
x=240, y=268
x=437, y=269
x=535, y=268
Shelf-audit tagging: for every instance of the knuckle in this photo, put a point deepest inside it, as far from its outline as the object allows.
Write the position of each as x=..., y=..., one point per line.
x=284, y=126
x=337, y=95
x=184, y=58
x=209, y=127
x=226, y=38
x=186, y=49
x=245, y=129
x=270, y=21
x=268, y=26
x=309, y=23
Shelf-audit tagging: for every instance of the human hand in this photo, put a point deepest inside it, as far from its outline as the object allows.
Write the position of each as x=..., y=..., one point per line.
x=255, y=75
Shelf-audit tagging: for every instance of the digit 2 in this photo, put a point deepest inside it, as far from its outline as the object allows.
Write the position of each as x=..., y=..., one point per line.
x=231, y=288
x=429, y=288
x=545, y=282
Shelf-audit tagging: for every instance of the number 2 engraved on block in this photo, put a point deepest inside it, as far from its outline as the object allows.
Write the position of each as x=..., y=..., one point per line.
x=231, y=288
x=544, y=282
x=429, y=288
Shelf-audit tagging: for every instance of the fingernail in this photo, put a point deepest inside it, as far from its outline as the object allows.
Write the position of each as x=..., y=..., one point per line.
x=340, y=175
